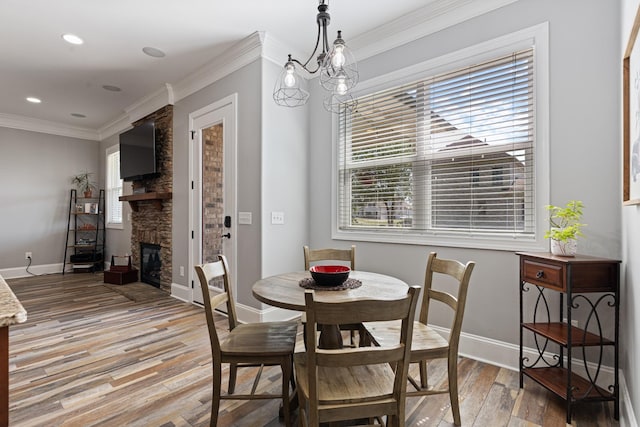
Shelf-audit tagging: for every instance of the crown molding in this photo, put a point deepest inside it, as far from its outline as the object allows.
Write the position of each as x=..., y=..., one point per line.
x=237, y=56
x=435, y=16
x=114, y=127
x=44, y=126
x=150, y=103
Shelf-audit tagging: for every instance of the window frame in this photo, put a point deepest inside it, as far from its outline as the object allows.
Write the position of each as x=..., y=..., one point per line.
x=536, y=36
x=108, y=224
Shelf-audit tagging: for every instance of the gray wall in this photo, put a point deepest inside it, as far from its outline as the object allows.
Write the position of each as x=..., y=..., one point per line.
x=246, y=82
x=584, y=148
x=630, y=297
x=36, y=171
x=285, y=179
x=271, y=176
x=118, y=240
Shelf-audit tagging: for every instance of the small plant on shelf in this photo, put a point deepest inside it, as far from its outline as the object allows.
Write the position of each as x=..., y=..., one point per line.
x=83, y=183
x=565, y=227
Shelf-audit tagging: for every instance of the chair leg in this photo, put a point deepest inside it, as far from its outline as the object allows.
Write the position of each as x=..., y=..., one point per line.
x=215, y=398
x=292, y=377
x=286, y=377
x=302, y=409
x=424, y=383
x=233, y=373
x=453, y=388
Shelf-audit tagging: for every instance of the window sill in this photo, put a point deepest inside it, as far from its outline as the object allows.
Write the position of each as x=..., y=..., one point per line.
x=468, y=241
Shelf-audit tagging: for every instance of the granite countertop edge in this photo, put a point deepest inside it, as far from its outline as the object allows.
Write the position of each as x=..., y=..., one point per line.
x=11, y=310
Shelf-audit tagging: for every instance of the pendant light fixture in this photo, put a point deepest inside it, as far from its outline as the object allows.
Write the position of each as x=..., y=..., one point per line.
x=336, y=65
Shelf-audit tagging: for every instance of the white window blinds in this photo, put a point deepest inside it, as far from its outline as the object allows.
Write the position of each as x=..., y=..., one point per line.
x=449, y=153
x=114, y=188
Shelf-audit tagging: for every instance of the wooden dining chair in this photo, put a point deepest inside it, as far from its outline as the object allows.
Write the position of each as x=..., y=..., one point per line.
x=245, y=345
x=428, y=344
x=354, y=383
x=314, y=256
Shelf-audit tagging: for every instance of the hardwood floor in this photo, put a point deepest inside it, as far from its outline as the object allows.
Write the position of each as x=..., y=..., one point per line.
x=90, y=356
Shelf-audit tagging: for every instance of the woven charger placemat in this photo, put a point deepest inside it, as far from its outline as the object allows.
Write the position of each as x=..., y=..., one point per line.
x=309, y=283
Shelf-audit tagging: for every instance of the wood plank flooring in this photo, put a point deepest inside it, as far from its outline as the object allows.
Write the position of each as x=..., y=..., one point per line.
x=90, y=356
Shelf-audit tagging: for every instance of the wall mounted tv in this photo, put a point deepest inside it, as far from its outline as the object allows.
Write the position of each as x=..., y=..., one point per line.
x=138, y=152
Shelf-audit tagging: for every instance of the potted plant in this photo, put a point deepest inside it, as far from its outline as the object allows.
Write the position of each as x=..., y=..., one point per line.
x=565, y=227
x=83, y=183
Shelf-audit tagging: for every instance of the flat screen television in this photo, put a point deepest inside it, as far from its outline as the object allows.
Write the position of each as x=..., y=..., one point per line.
x=138, y=152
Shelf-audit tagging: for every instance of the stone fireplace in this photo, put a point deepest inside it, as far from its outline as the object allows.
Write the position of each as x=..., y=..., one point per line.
x=151, y=220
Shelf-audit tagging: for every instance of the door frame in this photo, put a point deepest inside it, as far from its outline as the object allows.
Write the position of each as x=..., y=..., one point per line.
x=224, y=111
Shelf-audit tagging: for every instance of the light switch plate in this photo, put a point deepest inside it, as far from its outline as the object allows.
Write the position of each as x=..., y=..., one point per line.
x=277, y=217
x=244, y=218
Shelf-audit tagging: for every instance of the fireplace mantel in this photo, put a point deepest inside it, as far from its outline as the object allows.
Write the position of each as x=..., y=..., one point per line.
x=155, y=197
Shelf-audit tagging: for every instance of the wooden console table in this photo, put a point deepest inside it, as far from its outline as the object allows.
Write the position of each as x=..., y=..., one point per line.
x=587, y=281
x=155, y=197
x=11, y=313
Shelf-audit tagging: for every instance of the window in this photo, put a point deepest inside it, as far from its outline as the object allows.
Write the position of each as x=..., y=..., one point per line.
x=114, y=188
x=444, y=156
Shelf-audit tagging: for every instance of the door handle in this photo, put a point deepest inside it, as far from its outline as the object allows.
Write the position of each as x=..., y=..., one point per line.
x=228, y=235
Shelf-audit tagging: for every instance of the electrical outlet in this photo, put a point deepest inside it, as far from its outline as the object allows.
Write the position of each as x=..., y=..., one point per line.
x=28, y=255
x=574, y=322
x=182, y=270
x=277, y=217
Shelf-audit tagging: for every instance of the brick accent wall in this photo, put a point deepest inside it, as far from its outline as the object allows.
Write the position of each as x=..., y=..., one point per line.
x=212, y=192
x=148, y=224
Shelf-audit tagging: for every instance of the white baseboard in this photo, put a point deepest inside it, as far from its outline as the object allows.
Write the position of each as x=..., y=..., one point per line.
x=181, y=292
x=271, y=314
x=37, y=270
x=246, y=314
x=627, y=415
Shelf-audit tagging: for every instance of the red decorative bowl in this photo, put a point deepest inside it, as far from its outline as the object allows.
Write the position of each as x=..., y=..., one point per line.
x=329, y=275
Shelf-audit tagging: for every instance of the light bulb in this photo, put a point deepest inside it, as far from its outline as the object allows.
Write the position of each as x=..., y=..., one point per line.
x=341, y=87
x=289, y=80
x=338, y=59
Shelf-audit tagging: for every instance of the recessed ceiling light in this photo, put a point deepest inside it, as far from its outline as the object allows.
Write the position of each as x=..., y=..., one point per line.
x=34, y=100
x=152, y=51
x=78, y=115
x=111, y=88
x=72, y=38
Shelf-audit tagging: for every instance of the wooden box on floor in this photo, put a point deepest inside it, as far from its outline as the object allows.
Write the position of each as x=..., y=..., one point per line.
x=121, y=277
x=121, y=272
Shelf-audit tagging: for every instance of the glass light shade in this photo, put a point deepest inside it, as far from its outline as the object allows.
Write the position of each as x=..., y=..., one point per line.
x=287, y=91
x=339, y=71
x=340, y=103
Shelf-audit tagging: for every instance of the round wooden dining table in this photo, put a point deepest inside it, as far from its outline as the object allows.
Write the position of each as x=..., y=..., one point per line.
x=284, y=291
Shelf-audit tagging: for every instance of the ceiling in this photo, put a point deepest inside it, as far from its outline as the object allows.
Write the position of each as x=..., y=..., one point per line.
x=70, y=79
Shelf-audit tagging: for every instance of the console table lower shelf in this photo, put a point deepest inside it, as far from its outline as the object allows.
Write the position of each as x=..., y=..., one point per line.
x=556, y=380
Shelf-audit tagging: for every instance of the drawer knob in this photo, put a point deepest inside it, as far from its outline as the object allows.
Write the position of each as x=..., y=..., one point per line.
x=540, y=274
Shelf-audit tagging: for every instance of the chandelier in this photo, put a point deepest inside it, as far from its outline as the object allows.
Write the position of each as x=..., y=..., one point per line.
x=336, y=65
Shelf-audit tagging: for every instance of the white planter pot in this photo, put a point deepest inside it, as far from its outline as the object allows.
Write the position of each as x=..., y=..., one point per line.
x=568, y=248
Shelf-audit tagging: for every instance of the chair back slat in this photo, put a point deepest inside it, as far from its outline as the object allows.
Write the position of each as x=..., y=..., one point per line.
x=370, y=310
x=316, y=255
x=359, y=356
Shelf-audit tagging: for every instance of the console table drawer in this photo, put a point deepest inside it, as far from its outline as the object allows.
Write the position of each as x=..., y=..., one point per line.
x=548, y=275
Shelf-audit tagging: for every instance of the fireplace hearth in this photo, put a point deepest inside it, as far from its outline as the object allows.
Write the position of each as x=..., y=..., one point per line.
x=150, y=264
